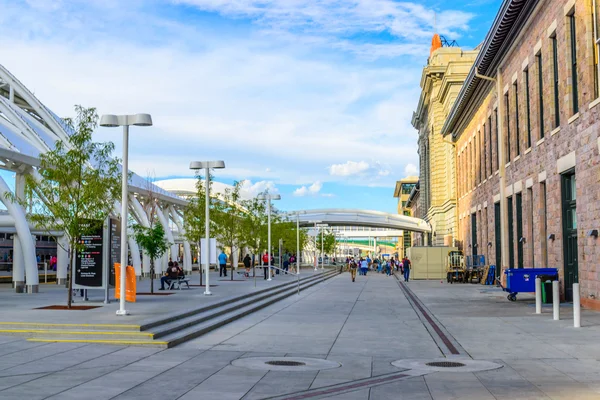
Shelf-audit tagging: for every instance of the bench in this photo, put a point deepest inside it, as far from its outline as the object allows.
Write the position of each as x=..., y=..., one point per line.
x=176, y=283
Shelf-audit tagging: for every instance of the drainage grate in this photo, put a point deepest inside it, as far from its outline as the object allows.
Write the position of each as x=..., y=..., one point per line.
x=281, y=363
x=445, y=364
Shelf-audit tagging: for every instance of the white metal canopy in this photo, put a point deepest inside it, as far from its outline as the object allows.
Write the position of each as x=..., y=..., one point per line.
x=366, y=218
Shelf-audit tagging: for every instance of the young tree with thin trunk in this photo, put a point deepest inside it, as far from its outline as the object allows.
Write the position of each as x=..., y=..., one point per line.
x=194, y=217
x=76, y=185
x=152, y=240
x=228, y=217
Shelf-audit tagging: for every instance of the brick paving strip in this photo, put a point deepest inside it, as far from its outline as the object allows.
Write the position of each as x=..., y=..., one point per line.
x=351, y=386
x=439, y=333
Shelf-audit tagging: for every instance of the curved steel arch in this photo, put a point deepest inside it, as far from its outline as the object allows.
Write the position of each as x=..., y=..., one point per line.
x=355, y=217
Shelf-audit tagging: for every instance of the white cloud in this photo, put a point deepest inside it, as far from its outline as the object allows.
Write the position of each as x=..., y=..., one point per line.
x=348, y=168
x=411, y=170
x=327, y=20
x=254, y=189
x=285, y=101
x=311, y=190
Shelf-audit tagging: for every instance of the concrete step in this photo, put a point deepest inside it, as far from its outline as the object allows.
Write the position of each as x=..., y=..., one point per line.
x=197, y=330
x=154, y=322
x=224, y=308
x=68, y=327
x=77, y=334
x=173, y=330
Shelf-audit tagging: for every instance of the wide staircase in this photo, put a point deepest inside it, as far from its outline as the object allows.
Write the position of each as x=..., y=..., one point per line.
x=171, y=330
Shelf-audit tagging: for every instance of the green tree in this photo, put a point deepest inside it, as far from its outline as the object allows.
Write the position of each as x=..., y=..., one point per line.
x=194, y=216
x=329, y=242
x=78, y=185
x=151, y=238
x=228, y=217
x=254, y=225
x=285, y=229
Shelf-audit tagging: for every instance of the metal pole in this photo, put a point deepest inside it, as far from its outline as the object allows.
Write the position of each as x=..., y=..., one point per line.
x=316, y=247
x=322, y=255
x=576, y=306
x=555, y=301
x=207, y=230
x=124, y=200
x=298, y=244
x=45, y=272
x=538, y=296
x=269, y=234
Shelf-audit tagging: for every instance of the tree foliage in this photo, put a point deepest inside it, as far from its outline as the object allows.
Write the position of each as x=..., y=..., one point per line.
x=228, y=217
x=76, y=186
x=329, y=242
x=194, y=217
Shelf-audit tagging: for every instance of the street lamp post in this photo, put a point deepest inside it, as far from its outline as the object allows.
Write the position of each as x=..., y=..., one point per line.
x=207, y=166
x=321, y=226
x=112, y=121
x=268, y=197
x=298, y=243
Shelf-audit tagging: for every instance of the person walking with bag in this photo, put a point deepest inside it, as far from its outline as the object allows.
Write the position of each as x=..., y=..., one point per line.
x=352, y=267
x=406, y=268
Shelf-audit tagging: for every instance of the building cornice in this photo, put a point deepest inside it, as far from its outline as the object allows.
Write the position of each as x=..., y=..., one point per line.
x=507, y=25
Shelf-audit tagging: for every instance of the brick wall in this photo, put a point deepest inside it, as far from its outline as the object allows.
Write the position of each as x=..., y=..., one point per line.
x=577, y=132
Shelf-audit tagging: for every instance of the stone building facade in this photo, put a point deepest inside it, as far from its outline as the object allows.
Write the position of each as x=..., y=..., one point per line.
x=526, y=129
x=402, y=191
x=441, y=81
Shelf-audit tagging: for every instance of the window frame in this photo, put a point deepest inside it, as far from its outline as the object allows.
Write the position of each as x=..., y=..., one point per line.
x=555, y=80
x=517, y=120
x=573, y=51
x=540, y=71
x=528, y=107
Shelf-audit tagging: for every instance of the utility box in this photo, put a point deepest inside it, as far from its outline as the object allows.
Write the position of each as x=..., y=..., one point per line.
x=428, y=262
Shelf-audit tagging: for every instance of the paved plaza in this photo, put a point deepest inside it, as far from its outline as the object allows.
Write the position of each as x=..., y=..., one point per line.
x=361, y=328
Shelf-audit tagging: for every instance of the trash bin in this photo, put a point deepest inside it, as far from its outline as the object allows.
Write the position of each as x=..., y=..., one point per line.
x=523, y=279
x=547, y=287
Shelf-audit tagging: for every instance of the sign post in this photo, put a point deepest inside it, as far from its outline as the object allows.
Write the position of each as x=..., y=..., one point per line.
x=89, y=261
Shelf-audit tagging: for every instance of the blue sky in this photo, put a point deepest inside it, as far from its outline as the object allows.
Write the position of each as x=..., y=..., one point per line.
x=311, y=99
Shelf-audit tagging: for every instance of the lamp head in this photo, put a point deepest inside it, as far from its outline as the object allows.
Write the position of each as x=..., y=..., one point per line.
x=141, y=120
x=109, y=120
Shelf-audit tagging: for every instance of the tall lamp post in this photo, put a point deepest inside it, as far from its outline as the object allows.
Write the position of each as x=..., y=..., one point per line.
x=112, y=121
x=268, y=197
x=321, y=226
x=298, y=243
x=207, y=166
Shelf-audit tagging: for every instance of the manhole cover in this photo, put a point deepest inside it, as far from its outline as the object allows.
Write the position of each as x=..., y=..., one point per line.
x=296, y=364
x=455, y=364
x=445, y=364
x=286, y=363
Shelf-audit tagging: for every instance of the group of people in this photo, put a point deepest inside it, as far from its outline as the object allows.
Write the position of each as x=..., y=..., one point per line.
x=174, y=271
x=383, y=266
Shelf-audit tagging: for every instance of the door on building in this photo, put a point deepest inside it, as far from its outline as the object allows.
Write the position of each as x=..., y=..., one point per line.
x=519, y=207
x=498, y=238
x=511, y=234
x=568, y=200
x=474, y=233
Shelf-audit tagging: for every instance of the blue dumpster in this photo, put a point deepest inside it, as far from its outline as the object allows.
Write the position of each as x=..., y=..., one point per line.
x=523, y=280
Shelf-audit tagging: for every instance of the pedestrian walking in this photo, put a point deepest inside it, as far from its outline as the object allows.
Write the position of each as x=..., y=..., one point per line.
x=265, y=263
x=286, y=262
x=364, y=266
x=352, y=267
x=222, y=264
x=406, y=267
x=388, y=268
x=247, y=260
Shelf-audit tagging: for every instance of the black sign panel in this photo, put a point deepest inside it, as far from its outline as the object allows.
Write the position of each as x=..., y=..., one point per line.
x=89, y=260
x=114, y=245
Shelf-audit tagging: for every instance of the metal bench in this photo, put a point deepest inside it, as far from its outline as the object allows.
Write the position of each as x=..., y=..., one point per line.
x=177, y=283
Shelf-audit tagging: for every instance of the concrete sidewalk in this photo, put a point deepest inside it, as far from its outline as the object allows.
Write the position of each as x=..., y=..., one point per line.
x=364, y=326
x=21, y=307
